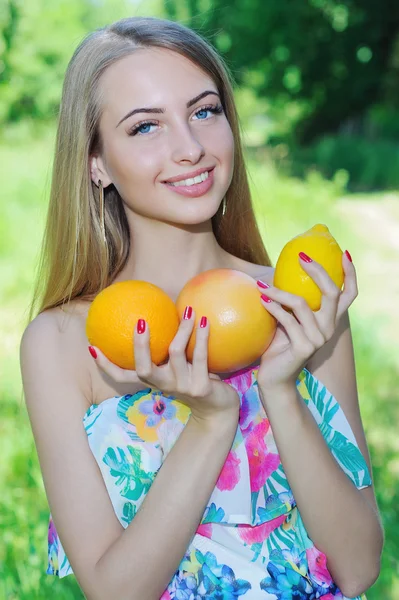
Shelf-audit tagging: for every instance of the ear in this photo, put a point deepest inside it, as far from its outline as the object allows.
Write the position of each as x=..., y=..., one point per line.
x=98, y=171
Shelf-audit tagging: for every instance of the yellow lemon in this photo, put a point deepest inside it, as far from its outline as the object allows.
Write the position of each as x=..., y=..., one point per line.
x=319, y=244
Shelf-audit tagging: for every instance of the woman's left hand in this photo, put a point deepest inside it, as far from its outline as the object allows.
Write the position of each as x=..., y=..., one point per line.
x=302, y=332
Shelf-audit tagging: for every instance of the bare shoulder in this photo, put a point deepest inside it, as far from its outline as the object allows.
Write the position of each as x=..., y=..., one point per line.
x=265, y=273
x=55, y=340
x=59, y=320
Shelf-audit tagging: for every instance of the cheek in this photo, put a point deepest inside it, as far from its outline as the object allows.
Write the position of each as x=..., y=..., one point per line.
x=225, y=148
x=224, y=141
x=140, y=163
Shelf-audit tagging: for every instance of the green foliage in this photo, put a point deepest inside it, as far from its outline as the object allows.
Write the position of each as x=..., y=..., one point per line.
x=335, y=57
x=39, y=38
x=318, y=76
x=319, y=79
x=365, y=150
x=370, y=165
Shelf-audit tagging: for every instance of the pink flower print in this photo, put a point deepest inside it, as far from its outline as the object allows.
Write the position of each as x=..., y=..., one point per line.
x=262, y=463
x=166, y=596
x=52, y=532
x=242, y=380
x=250, y=409
x=230, y=474
x=317, y=562
x=259, y=533
x=205, y=529
x=332, y=596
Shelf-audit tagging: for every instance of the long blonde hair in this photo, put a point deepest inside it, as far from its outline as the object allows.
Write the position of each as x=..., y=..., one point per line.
x=75, y=262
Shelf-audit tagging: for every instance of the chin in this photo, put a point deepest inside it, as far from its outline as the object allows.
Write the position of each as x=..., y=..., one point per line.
x=197, y=216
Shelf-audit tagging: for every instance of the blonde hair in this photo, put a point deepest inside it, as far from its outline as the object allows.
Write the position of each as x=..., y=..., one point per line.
x=75, y=262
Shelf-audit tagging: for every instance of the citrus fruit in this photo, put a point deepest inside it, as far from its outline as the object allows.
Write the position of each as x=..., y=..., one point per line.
x=241, y=329
x=113, y=316
x=319, y=244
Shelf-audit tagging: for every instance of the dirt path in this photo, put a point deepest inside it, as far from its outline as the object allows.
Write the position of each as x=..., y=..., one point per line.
x=376, y=223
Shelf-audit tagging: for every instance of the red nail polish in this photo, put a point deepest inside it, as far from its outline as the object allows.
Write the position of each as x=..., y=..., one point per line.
x=348, y=255
x=305, y=257
x=262, y=284
x=140, y=326
x=92, y=352
x=188, y=312
x=203, y=322
x=265, y=298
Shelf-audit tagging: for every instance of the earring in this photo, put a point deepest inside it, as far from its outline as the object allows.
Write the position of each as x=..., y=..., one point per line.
x=224, y=206
x=102, y=220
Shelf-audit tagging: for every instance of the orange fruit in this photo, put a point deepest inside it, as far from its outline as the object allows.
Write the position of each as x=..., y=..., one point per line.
x=241, y=329
x=319, y=244
x=113, y=316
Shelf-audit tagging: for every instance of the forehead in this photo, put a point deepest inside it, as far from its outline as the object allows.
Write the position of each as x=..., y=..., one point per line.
x=151, y=77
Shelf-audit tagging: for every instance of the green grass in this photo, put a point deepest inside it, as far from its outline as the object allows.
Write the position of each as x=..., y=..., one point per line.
x=285, y=207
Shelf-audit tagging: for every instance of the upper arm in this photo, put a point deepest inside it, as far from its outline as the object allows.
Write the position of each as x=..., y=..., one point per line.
x=56, y=401
x=334, y=366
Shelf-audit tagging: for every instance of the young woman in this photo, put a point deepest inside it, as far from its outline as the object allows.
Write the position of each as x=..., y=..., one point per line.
x=255, y=483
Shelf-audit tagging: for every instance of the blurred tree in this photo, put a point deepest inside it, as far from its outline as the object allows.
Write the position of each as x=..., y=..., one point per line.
x=321, y=63
x=334, y=57
x=37, y=39
x=8, y=25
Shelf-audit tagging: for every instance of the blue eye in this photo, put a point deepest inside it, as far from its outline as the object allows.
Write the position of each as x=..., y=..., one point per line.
x=215, y=110
x=142, y=128
x=203, y=110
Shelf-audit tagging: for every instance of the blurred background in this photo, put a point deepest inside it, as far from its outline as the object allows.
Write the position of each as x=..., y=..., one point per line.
x=317, y=88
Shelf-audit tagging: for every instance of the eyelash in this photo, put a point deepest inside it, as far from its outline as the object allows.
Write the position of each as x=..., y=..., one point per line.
x=216, y=110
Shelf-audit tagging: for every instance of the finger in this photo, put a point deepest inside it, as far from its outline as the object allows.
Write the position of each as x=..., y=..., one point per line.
x=330, y=292
x=200, y=371
x=111, y=369
x=301, y=310
x=294, y=330
x=304, y=315
x=177, y=349
x=142, y=354
x=214, y=376
x=350, y=291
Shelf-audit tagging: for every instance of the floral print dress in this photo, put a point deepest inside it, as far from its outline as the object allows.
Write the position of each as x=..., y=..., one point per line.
x=251, y=542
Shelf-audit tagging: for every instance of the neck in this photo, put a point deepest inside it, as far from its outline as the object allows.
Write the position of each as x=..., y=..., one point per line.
x=168, y=255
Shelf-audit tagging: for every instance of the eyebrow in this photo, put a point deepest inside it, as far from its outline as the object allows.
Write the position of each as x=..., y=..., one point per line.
x=162, y=110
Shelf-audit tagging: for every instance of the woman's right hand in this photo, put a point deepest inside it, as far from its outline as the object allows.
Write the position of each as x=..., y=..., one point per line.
x=204, y=393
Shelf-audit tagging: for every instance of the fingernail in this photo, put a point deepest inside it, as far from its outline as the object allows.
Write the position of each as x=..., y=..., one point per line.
x=262, y=284
x=188, y=312
x=140, y=326
x=203, y=322
x=92, y=352
x=348, y=255
x=305, y=257
x=265, y=298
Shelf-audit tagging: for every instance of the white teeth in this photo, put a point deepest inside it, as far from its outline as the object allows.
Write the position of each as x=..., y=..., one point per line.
x=192, y=180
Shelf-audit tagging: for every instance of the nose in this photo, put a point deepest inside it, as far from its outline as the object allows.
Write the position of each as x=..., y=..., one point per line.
x=185, y=145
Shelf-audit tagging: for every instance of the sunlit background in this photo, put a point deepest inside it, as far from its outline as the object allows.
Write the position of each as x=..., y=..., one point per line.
x=317, y=87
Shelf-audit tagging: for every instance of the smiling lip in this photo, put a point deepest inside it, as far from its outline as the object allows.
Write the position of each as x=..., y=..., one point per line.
x=196, y=190
x=188, y=175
